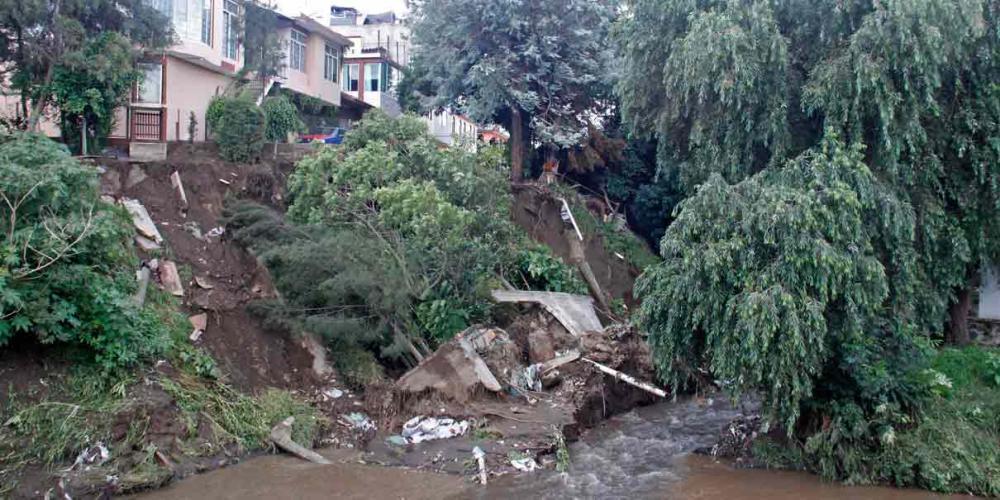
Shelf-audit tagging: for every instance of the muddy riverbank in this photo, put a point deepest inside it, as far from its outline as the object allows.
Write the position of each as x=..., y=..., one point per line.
x=645, y=453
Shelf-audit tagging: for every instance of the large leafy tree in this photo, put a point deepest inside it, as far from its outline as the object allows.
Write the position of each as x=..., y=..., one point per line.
x=842, y=164
x=535, y=67
x=40, y=38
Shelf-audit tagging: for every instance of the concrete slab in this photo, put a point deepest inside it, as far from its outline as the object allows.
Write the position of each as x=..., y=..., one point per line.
x=575, y=312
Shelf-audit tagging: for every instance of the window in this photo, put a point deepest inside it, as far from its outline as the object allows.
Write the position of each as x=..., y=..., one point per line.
x=331, y=62
x=297, y=51
x=350, y=83
x=373, y=77
x=151, y=86
x=206, y=22
x=166, y=7
x=230, y=11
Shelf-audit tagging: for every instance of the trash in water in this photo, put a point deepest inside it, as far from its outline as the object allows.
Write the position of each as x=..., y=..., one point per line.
x=360, y=421
x=419, y=429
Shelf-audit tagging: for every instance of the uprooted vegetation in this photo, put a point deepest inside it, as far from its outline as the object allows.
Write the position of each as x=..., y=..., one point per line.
x=391, y=243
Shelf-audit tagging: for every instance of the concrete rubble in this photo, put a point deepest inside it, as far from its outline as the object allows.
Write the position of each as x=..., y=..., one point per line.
x=456, y=369
x=170, y=278
x=141, y=220
x=575, y=312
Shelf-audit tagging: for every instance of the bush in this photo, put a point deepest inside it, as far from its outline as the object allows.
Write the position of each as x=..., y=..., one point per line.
x=280, y=119
x=67, y=270
x=239, y=128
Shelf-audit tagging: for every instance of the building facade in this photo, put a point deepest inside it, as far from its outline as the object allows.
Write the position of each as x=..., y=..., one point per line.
x=180, y=83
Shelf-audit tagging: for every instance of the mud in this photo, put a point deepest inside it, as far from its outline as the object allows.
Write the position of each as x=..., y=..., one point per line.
x=536, y=210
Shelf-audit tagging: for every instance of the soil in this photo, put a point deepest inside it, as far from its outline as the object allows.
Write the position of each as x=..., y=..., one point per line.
x=250, y=355
x=536, y=209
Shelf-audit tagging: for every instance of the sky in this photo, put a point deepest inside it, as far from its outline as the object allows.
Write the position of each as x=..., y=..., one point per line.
x=321, y=8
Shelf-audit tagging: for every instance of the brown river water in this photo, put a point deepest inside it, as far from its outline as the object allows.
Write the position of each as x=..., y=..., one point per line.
x=646, y=453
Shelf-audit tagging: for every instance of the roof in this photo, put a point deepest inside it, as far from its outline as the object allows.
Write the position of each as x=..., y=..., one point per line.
x=381, y=18
x=313, y=26
x=338, y=8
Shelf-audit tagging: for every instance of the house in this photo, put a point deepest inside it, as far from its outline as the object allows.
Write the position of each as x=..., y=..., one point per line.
x=380, y=50
x=207, y=59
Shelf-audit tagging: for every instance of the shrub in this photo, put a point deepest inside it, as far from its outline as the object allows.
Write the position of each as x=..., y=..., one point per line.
x=66, y=264
x=280, y=119
x=239, y=129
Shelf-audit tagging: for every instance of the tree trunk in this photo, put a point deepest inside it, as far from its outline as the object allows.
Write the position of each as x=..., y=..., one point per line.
x=958, y=328
x=516, y=145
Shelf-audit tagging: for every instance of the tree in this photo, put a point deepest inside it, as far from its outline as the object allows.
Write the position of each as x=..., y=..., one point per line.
x=739, y=87
x=264, y=48
x=535, y=67
x=89, y=84
x=38, y=36
x=280, y=119
x=66, y=265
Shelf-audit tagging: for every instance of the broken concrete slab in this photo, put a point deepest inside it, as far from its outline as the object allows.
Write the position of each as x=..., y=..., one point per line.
x=175, y=181
x=145, y=244
x=203, y=283
x=171, y=279
x=141, y=220
x=455, y=369
x=575, y=312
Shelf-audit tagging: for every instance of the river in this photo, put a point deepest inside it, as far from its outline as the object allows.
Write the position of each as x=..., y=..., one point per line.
x=645, y=453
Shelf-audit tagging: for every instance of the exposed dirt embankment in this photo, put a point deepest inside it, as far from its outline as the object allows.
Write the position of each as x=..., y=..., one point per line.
x=219, y=278
x=536, y=209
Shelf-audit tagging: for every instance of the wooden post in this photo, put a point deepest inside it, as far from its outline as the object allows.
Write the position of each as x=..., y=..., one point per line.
x=628, y=379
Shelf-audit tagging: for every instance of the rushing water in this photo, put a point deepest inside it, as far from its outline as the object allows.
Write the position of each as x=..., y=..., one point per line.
x=642, y=454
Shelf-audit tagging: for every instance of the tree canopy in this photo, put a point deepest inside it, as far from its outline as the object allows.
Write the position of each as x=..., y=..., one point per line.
x=842, y=173
x=537, y=68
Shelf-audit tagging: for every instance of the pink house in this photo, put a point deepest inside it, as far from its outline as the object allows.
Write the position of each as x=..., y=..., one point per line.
x=206, y=61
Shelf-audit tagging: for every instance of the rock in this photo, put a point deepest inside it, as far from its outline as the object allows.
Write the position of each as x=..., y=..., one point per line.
x=203, y=283
x=171, y=279
x=540, y=348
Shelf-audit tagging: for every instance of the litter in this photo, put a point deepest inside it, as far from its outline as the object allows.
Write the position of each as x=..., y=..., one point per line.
x=93, y=455
x=419, y=429
x=396, y=440
x=360, y=421
x=526, y=464
x=333, y=393
x=215, y=232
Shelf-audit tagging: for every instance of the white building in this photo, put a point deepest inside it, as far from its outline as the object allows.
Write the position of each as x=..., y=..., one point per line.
x=380, y=49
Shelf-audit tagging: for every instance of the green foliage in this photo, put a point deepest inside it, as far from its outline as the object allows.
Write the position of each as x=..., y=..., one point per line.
x=241, y=419
x=79, y=49
x=280, y=119
x=66, y=264
x=214, y=113
x=950, y=446
x=391, y=242
x=263, y=46
x=545, y=60
x=239, y=128
x=540, y=269
x=192, y=127
x=823, y=266
x=90, y=84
